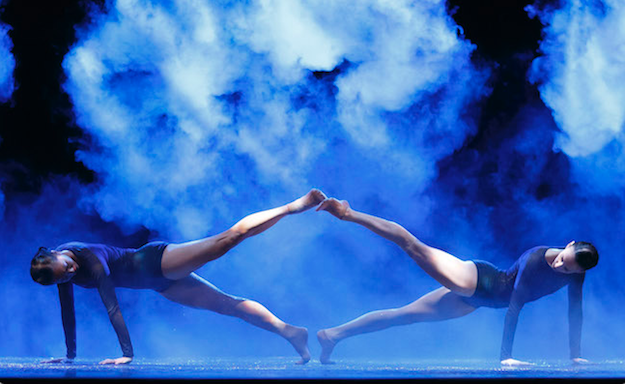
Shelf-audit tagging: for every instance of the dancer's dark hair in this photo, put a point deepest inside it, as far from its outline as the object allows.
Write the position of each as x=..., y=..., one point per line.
x=41, y=266
x=586, y=254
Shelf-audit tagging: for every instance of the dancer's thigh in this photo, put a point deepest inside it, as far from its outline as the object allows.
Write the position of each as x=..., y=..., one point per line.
x=460, y=276
x=181, y=259
x=194, y=291
x=440, y=304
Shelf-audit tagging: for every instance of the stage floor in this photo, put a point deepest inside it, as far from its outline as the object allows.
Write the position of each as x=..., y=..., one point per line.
x=281, y=367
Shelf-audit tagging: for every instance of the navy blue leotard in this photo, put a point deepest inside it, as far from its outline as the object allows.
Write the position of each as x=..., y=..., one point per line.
x=105, y=267
x=528, y=279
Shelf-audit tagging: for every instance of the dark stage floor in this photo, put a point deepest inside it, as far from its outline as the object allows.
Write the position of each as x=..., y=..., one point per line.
x=280, y=367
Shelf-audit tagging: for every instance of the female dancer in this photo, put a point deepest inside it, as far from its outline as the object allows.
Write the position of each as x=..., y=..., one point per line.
x=167, y=268
x=468, y=285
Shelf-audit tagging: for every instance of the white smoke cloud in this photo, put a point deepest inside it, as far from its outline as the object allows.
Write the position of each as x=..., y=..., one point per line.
x=192, y=104
x=582, y=73
x=293, y=35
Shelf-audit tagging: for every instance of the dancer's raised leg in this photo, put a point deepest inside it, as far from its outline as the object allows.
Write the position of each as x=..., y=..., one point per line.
x=441, y=304
x=460, y=276
x=193, y=291
x=179, y=260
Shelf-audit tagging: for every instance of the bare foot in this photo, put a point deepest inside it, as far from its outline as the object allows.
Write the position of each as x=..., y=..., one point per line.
x=335, y=207
x=298, y=337
x=327, y=346
x=309, y=200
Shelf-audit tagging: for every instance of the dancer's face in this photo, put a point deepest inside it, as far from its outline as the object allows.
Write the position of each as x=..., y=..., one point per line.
x=63, y=268
x=565, y=261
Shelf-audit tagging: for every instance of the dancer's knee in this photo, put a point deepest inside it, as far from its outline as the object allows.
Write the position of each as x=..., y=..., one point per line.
x=408, y=315
x=231, y=306
x=396, y=316
x=416, y=249
x=399, y=235
x=232, y=237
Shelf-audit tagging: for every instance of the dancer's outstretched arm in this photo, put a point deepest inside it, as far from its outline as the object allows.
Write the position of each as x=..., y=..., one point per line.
x=458, y=275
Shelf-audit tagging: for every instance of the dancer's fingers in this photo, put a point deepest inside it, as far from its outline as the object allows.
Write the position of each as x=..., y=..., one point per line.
x=324, y=204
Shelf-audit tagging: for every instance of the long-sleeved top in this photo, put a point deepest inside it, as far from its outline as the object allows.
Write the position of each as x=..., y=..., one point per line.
x=105, y=267
x=534, y=278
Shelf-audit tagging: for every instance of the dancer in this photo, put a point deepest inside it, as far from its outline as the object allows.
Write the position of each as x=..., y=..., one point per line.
x=468, y=285
x=167, y=268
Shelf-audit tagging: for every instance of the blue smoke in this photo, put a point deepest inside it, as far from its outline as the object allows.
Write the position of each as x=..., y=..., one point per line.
x=193, y=104
x=1, y=203
x=7, y=84
x=203, y=112
x=7, y=64
x=580, y=77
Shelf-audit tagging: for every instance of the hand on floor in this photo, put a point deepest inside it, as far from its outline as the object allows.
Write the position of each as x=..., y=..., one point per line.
x=62, y=360
x=119, y=360
x=514, y=363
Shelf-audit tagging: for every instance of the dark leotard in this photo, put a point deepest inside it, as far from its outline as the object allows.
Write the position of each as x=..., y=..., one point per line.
x=528, y=279
x=105, y=267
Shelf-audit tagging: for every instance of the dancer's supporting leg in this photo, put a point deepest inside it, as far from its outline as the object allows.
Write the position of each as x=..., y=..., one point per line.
x=440, y=304
x=458, y=277
x=193, y=291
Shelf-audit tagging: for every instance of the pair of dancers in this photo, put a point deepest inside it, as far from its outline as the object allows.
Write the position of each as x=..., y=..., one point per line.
x=168, y=268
